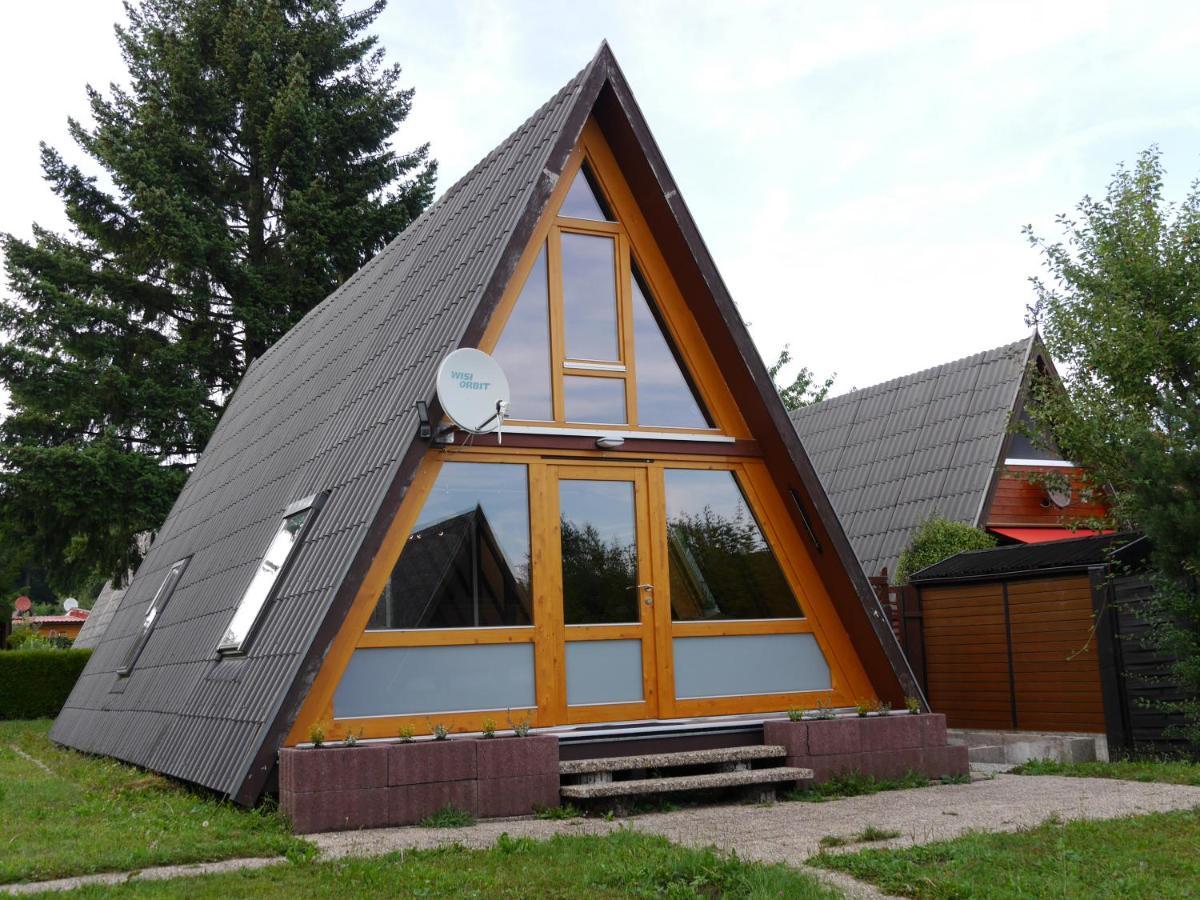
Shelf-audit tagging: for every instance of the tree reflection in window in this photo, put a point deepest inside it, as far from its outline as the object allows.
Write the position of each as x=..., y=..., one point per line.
x=721, y=566
x=599, y=552
x=466, y=563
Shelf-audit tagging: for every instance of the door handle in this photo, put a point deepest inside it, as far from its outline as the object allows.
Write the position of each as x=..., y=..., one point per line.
x=649, y=591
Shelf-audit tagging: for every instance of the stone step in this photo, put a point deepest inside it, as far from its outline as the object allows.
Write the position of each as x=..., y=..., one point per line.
x=641, y=786
x=716, y=756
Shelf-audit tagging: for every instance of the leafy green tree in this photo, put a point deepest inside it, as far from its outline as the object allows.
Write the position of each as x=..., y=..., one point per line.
x=244, y=172
x=936, y=539
x=1121, y=313
x=805, y=389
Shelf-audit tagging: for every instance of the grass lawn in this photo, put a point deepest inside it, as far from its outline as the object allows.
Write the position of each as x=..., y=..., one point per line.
x=622, y=864
x=90, y=814
x=1144, y=856
x=1168, y=771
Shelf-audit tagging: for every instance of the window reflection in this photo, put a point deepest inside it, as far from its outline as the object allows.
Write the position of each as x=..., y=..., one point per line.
x=721, y=566
x=582, y=200
x=664, y=396
x=599, y=551
x=256, y=595
x=466, y=563
x=523, y=350
x=594, y=400
x=589, y=297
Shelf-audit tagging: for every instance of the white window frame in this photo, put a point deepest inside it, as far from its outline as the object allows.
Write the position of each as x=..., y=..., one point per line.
x=267, y=580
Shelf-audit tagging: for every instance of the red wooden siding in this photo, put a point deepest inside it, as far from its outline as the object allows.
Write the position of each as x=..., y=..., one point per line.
x=1017, y=501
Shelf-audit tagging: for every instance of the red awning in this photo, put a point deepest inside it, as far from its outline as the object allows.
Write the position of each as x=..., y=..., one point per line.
x=1042, y=535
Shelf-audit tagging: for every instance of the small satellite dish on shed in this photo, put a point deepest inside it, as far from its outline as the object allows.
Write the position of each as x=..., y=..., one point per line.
x=473, y=391
x=1060, y=497
x=70, y=603
x=23, y=604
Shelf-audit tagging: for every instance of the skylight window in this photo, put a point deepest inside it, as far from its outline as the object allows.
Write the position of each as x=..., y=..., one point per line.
x=279, y=553
x=161, y=597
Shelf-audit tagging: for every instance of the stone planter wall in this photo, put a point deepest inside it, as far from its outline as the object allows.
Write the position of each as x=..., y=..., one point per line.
x=376, y=785
x=880, y=746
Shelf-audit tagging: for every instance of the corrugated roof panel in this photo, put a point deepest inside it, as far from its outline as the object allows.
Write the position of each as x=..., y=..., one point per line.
x=922, y=444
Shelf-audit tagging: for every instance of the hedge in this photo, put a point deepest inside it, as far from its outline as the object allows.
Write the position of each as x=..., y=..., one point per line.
x=34, y=684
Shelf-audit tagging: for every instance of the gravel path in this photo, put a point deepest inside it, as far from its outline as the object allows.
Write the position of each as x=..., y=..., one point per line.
x=790, y=832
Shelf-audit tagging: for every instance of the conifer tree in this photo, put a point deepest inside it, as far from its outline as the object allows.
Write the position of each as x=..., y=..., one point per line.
x=243, y=172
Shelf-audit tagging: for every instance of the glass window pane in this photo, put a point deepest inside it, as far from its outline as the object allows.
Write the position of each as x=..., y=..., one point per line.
x=590, y=297
x=399, y=681
x=581, y=201
x=664, y=396
x=720, y=564
x=596, y=400
x=259, y=590
x=748, y=664
x=161, y=597
x=523, y=350
x=466, y=562
x=599, y=551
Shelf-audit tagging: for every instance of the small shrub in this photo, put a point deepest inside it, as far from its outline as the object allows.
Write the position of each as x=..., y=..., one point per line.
x=316, y=735
x=823, y=710
x=352, y=738
x=439, y=731
x=34, y=684
x=448, y=817
x=405, y=734
x=937, y=539
x=962, y=778
x=913, y=704
x=880, y=707
x=862, y=707
x=489, y=728
x=795, y=714
x=520, y=727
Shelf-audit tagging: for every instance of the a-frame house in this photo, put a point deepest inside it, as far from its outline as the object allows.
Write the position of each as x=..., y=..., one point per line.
x=694, y=570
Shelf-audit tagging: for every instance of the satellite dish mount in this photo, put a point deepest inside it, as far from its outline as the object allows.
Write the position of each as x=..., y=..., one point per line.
x=473, y=392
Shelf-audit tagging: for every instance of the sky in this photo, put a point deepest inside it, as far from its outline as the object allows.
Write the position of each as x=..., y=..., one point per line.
x=860, y=172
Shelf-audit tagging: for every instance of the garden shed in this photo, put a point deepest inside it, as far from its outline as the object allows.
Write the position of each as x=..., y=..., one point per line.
x=645, y=554
x=1042, y=637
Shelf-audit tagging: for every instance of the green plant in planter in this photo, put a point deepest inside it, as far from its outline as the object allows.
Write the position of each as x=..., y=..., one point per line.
x=521, y=727
x=863, y=708
x=316, y=735
x=489, y=728
x=440, y=731
x=405, y=734
x=913, y=704
x=823, y=711
x=795, y=714
x=881, y=707
x=352, y=738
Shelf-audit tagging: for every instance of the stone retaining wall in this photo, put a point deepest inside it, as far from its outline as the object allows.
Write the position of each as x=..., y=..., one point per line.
x=376, y=785
x=879, y=746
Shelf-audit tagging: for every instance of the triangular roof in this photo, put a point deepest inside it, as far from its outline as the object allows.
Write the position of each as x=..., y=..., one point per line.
x=330, y=407
x=894, y=454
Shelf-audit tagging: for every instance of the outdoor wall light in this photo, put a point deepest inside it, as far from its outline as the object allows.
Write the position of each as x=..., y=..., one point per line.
x=610, y=442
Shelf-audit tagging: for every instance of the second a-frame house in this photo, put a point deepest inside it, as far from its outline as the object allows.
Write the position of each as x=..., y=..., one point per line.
x=648, y=544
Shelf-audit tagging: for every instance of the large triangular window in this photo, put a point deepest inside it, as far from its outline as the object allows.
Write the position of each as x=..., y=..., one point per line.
x=585, y=343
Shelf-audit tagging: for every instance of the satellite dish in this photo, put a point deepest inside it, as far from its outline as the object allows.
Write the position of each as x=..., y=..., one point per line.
x=1060, y=497
x=473, y=391
x=70, y=603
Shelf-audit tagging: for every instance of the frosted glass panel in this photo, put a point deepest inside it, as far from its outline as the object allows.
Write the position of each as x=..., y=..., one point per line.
x=748, y=664
x=604, y=672
x=398, y=681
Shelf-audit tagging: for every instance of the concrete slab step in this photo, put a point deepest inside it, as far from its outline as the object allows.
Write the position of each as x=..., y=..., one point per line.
x=643, y=786
x=715, y=756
